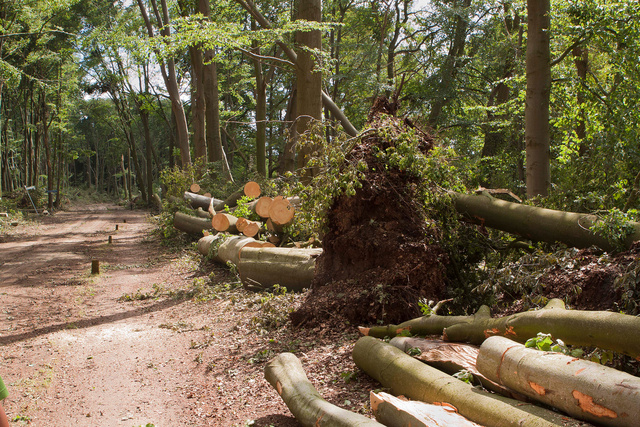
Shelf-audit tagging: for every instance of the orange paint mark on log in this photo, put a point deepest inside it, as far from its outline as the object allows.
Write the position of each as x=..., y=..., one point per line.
x=399, y=330
x=490, y=332
x=510, y=331
x=446, y=406
x=317, y=424
x=579, y=371
x=279, y=388
x=587, y=405
x=538, y=388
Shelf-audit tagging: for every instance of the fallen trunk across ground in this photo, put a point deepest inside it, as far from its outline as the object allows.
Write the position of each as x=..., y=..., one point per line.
x=284, y=372
x=538, y=224
x=191, y=224
x=581, y=388
x=262, y=268
x=415, y=380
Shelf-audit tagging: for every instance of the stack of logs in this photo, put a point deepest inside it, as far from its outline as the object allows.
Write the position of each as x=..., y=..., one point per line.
x=276, y=213
x=260, y=263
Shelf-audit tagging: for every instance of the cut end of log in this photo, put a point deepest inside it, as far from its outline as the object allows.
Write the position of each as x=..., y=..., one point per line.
x=364, y=331
x=281, y=212
x=220, y=222
x=252, y=189
x=207, y=195
x=262, y=206
x=251, y=229
x=241, y=224
x=195, y=188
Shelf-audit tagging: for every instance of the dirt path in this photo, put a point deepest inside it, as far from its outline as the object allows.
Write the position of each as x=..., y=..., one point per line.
x=74, y=353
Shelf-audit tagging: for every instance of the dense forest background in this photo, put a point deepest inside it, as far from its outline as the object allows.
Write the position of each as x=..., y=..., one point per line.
x=109, y=95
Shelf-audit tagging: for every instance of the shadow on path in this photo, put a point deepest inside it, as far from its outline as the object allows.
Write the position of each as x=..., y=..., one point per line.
x=86, y=323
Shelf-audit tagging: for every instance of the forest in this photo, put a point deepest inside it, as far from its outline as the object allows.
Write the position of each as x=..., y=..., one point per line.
x=442, y=157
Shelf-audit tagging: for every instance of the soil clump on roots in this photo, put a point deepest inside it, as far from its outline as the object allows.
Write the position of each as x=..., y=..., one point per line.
x=381, y=257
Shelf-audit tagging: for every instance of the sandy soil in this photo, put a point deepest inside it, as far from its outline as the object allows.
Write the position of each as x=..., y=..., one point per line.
x=74, y=350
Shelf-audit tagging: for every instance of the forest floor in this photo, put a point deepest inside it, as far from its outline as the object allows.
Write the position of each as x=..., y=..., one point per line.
x=148, y=341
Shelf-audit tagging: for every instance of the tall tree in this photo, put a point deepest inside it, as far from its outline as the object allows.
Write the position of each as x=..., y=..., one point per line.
x=537, y=137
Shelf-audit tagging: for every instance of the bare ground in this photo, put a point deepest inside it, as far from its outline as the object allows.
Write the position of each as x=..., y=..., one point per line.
x=184, y=352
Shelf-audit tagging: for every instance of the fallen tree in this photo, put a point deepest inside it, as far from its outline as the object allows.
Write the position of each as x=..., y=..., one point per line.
x=223, y=248
x=395, y=412
x=538, y=224
x=581, y=388
x=433, y=324
x=191, y=224
x=262, y=268
x=451, y=358
x=285, y=373
x=415, y=380
x=199, y=201
x=576, y=327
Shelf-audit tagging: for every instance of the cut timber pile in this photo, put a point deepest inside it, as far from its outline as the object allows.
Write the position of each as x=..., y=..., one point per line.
x=284, y=372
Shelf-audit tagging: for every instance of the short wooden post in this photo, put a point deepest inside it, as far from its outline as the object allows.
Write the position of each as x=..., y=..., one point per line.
x=95, y=266
x=124, y=220
x=116, y=227
x=110, y=240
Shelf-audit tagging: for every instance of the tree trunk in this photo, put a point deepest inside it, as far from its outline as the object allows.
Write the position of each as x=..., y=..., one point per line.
x=262, y=268
x=395, y=412
x=426, y=325
x=284, y=372
x=224, y=249
x=225, y=222
x=538, y=224
x=169, y=76
x=575, y=327
x=191, y=224
x=583, y=389
x=409, y=377
x=198, y=103
x=198, y=201
x=536, y=110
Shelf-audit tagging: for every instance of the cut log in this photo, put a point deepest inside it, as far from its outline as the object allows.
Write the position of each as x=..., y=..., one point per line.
x=252, y=189
x=575, y=327
x=581, y=388
x=396, y=412
x=416, y=380
x=451, y=358
x=207, y=195
x=241, y=223
x=262, y=268
x=198, y=201
x=281, y=212
x=252, y=228
x=538, y=224
x=225, y=222
x=191, y=224
x=262, y=206
x=233, y=198
x=426, y=325
x=223, y=248
x=195, y=188
x=285, y=373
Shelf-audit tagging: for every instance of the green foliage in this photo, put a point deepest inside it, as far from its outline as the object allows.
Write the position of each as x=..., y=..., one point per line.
x=615, y=226
x=544, y=342
x=464, y=376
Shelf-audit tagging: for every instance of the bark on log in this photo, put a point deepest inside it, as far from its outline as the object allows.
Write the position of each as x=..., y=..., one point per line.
x=262, y=268
x=604, y=329
x=223, y=248
x=415, y=380
x=202, y=213
x=198, y=201
x=538, y=224
x=191, y=224
x=451, y=358
x=581, y=388
x=395, y=412
x=225, y=222
x=426, y=325
x=285, y=373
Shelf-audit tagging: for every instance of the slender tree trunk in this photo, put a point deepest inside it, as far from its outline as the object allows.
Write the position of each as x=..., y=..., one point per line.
x=309, y=81
x=198, y=103
x=536, y=110
x=581, y=59
x=261, y=111
x=169, y=76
